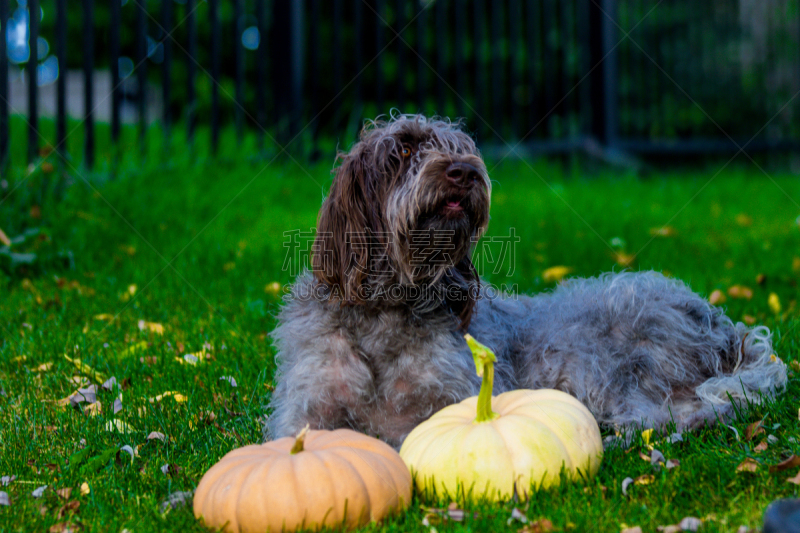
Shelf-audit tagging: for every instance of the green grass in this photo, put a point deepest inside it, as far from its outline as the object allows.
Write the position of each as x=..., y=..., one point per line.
x=202, y=239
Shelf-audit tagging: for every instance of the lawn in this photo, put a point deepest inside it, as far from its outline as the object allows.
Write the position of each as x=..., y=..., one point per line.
x=195, y=245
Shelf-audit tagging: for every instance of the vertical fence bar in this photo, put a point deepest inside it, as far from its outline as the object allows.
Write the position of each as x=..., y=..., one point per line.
x=261, y=72
x=534, y=52
x=166, y=65
x=605, y=76
x=238, y=61
x=611, y=72
x=566, y=47
x=213, y=8
x=359, y=58
x=514, y=15
x=141, y=69
x=33, y=79
x=337, y=46
x=460, y=59
x=400, y=84
x=315, y=85
x=191, y=69
x=441, y=55
x=422, y=51
x=61, y=81
x=380, y=17
x=548, y=21
x=497, y=118
x=582, y=10
x=88, y=83
x=297, y=65
x=480, y=73
x=116, y=22
x=4, y=97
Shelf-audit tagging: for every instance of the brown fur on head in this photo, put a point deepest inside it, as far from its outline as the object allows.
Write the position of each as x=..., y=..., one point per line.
x=407, y=203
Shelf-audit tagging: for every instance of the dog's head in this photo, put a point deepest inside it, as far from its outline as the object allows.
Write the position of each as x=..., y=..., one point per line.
x=407, y=204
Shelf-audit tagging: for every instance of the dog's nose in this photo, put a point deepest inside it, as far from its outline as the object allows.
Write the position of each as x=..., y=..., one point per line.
x=462, y=174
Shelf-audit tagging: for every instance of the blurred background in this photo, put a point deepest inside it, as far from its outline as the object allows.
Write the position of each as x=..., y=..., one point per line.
x=538, y=76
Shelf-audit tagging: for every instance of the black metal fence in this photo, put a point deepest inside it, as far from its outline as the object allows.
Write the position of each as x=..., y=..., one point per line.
x=643, y=76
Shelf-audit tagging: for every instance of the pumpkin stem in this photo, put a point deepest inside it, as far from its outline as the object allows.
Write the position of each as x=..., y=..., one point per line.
x=484, y=365
x=299, y=441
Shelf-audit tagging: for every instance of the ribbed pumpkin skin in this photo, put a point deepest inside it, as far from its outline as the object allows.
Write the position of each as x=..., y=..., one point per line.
x=260, y=488
x=535, y=433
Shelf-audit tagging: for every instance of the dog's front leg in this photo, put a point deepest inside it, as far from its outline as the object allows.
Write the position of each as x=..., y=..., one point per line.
x=326, y=389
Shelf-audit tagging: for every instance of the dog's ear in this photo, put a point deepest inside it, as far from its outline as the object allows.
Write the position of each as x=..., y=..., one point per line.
x=347, y=227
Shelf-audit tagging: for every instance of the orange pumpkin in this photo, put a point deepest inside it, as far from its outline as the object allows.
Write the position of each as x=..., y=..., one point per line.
x=319, y=478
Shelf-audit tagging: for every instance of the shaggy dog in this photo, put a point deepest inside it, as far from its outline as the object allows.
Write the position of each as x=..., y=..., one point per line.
x=372, y=337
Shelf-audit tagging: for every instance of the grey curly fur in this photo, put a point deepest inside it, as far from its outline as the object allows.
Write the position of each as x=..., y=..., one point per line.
x=638, y=349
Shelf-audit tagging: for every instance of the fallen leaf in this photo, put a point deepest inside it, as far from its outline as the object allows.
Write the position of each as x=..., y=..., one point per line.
x=273, y=288
x=739, y=291
x=647, y=434
x=85, y=489
x=634, y=529
x=672, y=463
x=37, y=492
x=63, y=527
x=795, y=479
x=108, y=317
x=543, y=525
x=645, y=479
x=7, y=480
x=756, y=428
x=44, y=367
x=744, y=220
x=624, y=259
x=664, y=231
x=86, y=370
x=625, y=483
x=67, y=507
x=229, y=379
x=761, y=447
x=774, y=303
x=117, y=406
x=555, y=273
x=119, y=426
x=157, y=435
x=786, y=464
x=748, y=319
x=170, y=469
x=748, y=465
x=657, y=457
x=64, y=493
x=4, y=499
x=669, y=529
x=717, y=297
x=176, y=499
x=4, y=240
x=93, y=409
x=134, y=348
x=690, y=523
x=517, y=515
x=152, y=327
x=178, y=397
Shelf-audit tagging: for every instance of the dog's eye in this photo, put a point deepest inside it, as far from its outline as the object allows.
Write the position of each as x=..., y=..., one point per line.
x=406, y=151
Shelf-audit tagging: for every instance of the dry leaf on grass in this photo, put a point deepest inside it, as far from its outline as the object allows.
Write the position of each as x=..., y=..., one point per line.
x=717, y=297
x=119, y=426
x=7, y=480
x=157, y=435
x=64, y=493
x=748, y=465
x=672, y=463
x=64, y=527
x=178, y=397
x=645, y=479
x=176, y=499
x=625, y=483
x=85, y=369
x=152, y=327
x=748, y=319
x=517, y=515
x=761, y=447
x=67, y=507
x=664, y=231
x=37, y=492
x=229, y=379
x=791, y=462
x=85, y=489
x=4, y=499
x=555, y=273
x=795, y=479
x=133, y=349
x=741, y=292
x=756, y=428
x=634, y=529
x=93, y=409
x=543, y=525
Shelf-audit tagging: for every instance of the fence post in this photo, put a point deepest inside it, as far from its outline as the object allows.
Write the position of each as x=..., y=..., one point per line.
x=605, y=78
x=213, y=8
x=61, y=82
x=191, y=69
x=141, y=71
x=116, y=22
x=88, y=80
x=33, y=81
x=238, y=60
x=166, y=64
x=297, y=66
x=4, y=105
x=261, y=72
